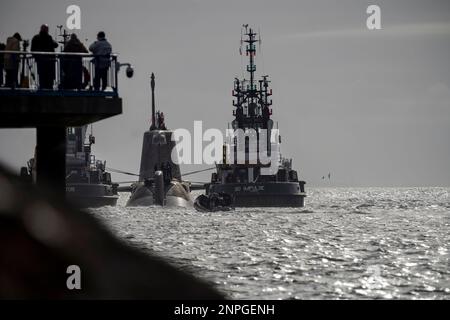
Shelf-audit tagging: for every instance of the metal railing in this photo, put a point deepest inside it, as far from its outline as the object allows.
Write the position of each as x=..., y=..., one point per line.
x=59, y=73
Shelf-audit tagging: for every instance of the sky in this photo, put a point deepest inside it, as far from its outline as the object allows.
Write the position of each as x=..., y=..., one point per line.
x=370, y=106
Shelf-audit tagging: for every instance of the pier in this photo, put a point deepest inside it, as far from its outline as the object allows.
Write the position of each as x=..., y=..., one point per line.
x=51, y=110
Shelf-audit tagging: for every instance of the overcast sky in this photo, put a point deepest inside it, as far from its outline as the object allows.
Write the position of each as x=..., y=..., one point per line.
x=371, y=107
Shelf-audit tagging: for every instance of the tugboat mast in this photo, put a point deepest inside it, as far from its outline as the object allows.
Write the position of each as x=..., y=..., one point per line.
x=64, y=35
x=252, y=103
x=251, y=51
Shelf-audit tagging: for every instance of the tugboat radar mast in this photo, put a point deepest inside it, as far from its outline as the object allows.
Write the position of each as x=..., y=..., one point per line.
x=251, y=97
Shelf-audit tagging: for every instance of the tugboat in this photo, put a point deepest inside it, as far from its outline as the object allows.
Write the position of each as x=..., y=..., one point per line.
x=253, y=172
x=160, y=180
x=87, y=182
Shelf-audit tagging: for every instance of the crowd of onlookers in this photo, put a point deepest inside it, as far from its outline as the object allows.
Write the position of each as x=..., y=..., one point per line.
x=73, y=74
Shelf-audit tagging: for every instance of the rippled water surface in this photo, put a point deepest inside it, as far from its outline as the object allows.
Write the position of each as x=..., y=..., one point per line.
x=358, y=243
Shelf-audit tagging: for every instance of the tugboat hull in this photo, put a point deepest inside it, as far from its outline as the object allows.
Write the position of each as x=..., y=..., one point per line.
x=276, y=194
x=85, y=195
x=93, y=202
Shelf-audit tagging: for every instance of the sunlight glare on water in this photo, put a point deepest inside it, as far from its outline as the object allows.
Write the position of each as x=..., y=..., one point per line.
x=357, y=243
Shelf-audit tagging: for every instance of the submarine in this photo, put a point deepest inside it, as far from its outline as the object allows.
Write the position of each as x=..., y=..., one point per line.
x=160, y=181
x=253, y=172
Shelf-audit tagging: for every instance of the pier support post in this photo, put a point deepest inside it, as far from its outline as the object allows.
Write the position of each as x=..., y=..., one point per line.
x=51, y=158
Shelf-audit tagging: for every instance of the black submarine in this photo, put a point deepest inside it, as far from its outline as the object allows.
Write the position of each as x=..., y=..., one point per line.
x=160, y=181
x=253, y=173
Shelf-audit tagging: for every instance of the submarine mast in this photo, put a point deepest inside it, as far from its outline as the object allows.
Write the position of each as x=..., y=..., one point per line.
x=152, y=85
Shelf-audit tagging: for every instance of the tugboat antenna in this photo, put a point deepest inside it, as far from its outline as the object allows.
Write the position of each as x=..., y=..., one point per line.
x=251, y=96
x=251, y=50
x=64, y=35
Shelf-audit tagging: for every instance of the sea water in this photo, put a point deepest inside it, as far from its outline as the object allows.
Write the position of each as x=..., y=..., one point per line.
x=346, y=243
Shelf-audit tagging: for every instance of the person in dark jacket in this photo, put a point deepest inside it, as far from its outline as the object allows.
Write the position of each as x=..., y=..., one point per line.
x=11, y=63
x=73, y=65
x=43, y=42
x=2, y=62
x=102, y=50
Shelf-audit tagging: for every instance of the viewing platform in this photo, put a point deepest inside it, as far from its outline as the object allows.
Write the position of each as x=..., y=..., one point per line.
x=70, y=100
x=29, y=106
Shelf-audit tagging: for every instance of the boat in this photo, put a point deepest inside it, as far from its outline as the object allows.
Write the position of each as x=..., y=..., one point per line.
x=214, y=202
x=253, y=171
x=160, y=180
x=88, y=184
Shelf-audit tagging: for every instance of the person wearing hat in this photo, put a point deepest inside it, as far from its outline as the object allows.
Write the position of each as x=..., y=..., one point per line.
x=12, y=60
x=102, y=50
x=43, y=42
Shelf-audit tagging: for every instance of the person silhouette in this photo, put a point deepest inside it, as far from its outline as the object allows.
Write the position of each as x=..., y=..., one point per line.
x=43, y=42
x=102, y=50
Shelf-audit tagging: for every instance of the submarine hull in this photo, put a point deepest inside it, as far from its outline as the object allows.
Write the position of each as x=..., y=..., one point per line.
x=176, y=195
x=276, y=194
x=157, y=159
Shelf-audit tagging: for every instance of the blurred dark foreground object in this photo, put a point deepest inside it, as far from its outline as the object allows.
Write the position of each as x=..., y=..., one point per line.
x=40, y=236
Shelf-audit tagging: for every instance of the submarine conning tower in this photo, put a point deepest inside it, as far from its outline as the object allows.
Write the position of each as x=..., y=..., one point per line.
x=157, y=146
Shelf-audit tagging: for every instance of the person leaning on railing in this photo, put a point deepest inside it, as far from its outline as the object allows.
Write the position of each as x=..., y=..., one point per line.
x=102, y=50
x=43, y=42
x=12, y=60
x=73, y=65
